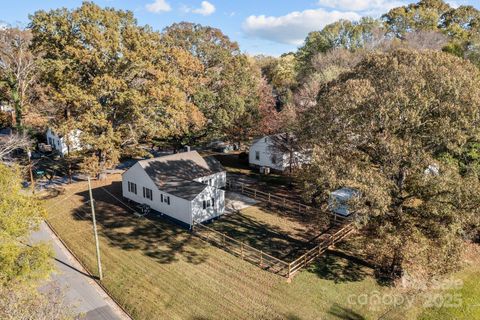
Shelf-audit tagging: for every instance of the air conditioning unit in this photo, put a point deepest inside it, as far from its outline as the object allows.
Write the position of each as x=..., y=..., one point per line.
x=264, y=170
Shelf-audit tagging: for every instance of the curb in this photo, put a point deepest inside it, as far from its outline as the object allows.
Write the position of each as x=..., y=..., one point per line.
x=92, y=276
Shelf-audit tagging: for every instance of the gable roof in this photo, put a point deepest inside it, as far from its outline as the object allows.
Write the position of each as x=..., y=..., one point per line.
x=175, y=173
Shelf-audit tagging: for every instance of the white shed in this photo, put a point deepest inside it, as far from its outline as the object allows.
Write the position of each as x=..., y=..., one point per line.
x=59, y=142
x=265, y=153
x=338, y=202
x=185, y=186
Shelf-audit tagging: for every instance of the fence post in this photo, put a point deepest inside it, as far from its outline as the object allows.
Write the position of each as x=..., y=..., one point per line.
x=255, y=194
x=242, y=187
x=241, y=249
x=299, y=207
x=269, y=197
x=261, y=258
x=284, y=202
x=289, y=268
x=223, y=240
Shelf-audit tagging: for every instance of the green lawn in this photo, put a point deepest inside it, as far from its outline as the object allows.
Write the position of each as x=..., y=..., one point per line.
x=157, y=270
x=467, y=295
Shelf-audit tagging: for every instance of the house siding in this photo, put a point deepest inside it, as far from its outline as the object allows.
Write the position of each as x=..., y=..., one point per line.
x=217, y=180
x=264, y=147
x=58, y=143
x=199, y=214
x=179, y=209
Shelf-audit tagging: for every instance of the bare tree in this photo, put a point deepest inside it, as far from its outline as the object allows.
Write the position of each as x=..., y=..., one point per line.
x=286, y=147
x=9, y=143
x=17, y=69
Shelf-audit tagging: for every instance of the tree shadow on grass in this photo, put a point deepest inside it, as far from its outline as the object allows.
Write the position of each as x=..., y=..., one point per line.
x=258, y=234
x=160, y=239
x=344, y=313
x=331, y=266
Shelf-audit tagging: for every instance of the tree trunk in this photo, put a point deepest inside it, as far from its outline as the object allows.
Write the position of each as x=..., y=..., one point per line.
x=396, y=269
x=102, y=174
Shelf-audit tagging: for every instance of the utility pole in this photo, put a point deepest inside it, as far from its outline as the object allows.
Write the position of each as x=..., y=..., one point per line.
x=99, y=263
x=32, y=181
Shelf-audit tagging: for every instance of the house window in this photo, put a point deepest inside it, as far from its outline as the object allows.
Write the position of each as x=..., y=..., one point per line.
x=274, y=158
x=257, y=155
x=167, y=199
x=147, y=193
x=132, y=187
x=213, y=202
x=204, y=204
x=161, y=198
x=210, y=182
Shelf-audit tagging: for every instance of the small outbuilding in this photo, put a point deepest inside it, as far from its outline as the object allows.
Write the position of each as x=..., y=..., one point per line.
x=339, y=199
x=185, y=186
x=59, y=142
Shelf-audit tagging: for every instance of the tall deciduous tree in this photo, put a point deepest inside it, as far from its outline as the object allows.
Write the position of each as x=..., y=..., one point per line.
x=18, y=70
x=341, y=34
x=384, y=129
x=231, y=87
x=113, y=79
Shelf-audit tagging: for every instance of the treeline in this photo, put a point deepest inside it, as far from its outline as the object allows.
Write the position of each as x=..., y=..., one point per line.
x=326, y=53
x=390, y=108
x=123, y=84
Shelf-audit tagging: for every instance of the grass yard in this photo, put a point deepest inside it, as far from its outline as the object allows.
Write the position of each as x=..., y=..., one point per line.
x=158, y=270
x=239, y=169
x=467, y=294
x=269, y=231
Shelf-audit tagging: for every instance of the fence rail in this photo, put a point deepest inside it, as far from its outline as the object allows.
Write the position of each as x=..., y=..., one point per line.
x=279, y=201
x=265, y=260
x=242, y=250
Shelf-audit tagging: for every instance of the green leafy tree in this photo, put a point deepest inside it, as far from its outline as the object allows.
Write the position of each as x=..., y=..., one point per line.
x=341, y=34
x=384, y=129
x=20, y=214
x=424, y=15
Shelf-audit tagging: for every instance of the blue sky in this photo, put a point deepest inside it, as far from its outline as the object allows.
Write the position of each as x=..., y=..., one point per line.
x=259, y=26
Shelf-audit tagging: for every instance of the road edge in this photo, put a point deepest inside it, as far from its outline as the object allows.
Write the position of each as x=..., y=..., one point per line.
x=121, y=309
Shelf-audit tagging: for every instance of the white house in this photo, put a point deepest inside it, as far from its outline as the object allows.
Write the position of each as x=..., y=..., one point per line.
x=266, y=152
x=184, y=186
x=59, y=142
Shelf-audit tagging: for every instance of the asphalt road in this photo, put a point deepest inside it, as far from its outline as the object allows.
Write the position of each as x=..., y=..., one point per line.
x=82, y=292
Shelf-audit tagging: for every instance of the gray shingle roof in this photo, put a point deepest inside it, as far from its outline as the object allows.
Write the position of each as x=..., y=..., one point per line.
x=175, y=173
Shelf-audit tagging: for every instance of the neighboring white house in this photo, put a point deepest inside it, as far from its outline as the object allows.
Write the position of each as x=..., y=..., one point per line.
x=264, y=152
x=59, y=142
x=184, y=186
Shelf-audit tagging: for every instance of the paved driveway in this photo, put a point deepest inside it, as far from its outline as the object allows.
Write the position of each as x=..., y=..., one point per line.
x=235, y=202
x=82, y=292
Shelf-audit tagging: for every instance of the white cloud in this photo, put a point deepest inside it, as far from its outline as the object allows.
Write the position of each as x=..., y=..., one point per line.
x=205, y=9
x=293, y=27
x=158, y=6
x=380, y=6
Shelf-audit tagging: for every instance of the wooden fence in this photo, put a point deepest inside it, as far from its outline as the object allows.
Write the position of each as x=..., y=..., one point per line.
x=316, y=251
x=242, y=250
x=279, y=201
x=264, y=260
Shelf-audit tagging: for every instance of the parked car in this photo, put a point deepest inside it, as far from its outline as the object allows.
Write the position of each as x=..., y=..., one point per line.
x=221, y=146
